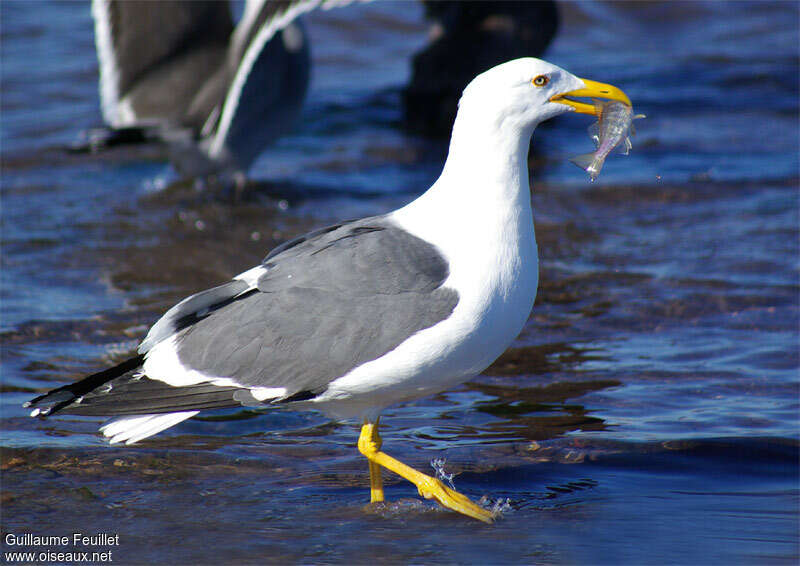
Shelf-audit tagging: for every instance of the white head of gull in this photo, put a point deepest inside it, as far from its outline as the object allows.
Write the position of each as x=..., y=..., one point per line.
x=361, y=315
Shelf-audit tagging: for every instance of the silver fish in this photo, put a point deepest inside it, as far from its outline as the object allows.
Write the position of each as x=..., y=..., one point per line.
x=613, y=128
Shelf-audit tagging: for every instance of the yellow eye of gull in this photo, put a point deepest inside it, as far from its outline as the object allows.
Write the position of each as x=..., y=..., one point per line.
x=541, y=80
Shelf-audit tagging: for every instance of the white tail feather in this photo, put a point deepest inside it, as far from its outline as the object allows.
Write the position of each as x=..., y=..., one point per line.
x=135, y=428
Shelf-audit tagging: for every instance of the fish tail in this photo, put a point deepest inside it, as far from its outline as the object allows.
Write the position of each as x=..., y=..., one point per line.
x=584, y=161
x=589, y=162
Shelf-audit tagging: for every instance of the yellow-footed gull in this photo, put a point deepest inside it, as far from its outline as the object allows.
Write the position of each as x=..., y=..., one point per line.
x=361, y=315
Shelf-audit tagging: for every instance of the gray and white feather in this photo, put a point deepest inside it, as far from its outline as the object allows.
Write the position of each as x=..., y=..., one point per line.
x=215, y=92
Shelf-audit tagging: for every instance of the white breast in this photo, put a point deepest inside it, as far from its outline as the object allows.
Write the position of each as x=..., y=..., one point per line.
x=490, y=247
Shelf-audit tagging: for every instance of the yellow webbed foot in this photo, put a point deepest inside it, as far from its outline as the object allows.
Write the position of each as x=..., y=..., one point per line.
x=369, y=444
x=432, y=488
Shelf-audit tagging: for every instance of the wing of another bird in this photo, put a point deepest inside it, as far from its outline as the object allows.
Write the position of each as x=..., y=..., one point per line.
x=268, y=64
x=155, y=56
x=181, y=68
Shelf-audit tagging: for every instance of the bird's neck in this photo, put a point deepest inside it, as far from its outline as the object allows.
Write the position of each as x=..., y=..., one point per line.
x=485, y=176
x=478, y=214
x=491, y=152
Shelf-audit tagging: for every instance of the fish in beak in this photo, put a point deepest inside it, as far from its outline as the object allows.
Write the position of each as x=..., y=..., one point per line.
x=593, y=89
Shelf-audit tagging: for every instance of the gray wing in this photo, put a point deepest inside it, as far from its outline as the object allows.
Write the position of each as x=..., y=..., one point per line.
x=155, y=56
x=324, y=303
x=195, y=307
x=190, y=310
x=324, y=306
x=268, y=67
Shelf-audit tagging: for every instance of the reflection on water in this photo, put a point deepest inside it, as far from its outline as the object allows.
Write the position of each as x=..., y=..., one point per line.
x=648, y=411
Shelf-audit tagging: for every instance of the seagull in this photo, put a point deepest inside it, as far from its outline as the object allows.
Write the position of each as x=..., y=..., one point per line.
x=364, y=314
x=181, y=72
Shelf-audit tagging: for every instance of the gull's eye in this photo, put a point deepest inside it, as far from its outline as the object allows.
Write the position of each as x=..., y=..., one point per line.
x=541, y=80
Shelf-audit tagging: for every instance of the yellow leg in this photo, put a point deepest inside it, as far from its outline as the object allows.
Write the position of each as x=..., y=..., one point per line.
x=369, y=444
x=375, y=483
x=375, y=479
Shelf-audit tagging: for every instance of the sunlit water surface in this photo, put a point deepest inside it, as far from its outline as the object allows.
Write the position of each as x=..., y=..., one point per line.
x=647, y=414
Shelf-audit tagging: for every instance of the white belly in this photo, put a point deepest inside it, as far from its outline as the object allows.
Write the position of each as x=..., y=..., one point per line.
x=496, y=279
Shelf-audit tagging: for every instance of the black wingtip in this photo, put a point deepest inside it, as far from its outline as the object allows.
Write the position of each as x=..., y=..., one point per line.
x=57, y=399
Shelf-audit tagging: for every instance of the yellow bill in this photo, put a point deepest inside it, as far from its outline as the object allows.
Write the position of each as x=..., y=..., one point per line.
x=593, y=90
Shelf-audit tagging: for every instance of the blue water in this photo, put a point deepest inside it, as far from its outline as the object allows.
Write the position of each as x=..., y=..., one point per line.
x=648, y=413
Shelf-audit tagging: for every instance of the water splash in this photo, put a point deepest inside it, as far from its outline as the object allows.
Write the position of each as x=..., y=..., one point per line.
x=497, y=507
x=438, y=466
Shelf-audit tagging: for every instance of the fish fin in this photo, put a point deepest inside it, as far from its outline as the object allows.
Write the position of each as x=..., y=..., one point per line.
x=589, y=162
x=633, y=128
x=594, y=133
x=625, y=147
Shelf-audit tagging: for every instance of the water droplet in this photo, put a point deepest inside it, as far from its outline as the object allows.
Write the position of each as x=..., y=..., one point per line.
x=438, y=466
